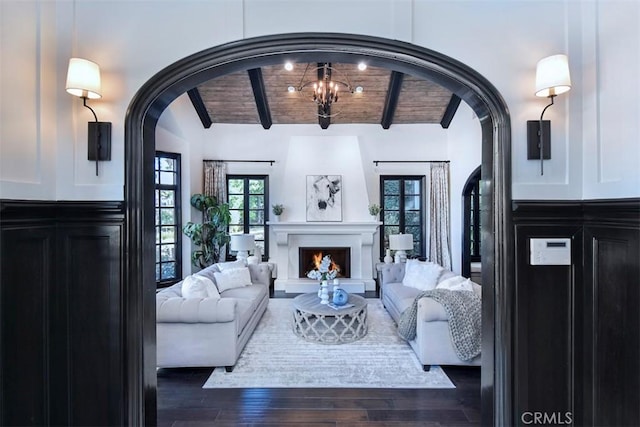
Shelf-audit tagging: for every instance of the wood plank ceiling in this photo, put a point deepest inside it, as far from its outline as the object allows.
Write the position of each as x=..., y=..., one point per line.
x=260, y=96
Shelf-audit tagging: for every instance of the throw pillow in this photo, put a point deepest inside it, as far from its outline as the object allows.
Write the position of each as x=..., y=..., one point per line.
x=456, y=283
x=233, y=278
x=196, y=286
x=222, y=266
x=421, y=275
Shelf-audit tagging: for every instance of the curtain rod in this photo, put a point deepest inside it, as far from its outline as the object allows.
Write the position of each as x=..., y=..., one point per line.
x=271, y=162
x=410, y=161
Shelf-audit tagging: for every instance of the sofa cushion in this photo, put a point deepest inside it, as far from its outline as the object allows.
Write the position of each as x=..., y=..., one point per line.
x=197, y=286
x=456, y=283
x=248, y=299
x=222, y=266
x=232, y=278
x=402, y=296
x=423, y=275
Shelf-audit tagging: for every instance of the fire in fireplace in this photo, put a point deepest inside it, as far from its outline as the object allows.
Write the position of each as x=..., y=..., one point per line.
x=310, y=257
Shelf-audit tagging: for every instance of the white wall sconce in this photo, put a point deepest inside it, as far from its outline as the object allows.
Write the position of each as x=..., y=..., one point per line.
x=552, y=79
x=401, y=243
x=242, y=243
x=83, y=80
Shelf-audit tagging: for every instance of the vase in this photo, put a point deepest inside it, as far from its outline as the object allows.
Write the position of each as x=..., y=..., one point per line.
x=324, y=292
x=388, y=259
x=336, y=284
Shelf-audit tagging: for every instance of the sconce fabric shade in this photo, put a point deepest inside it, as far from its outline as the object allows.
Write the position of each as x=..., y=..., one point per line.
x=552, y=76
x=401, y=242
x=242, y=242
x=83, y=79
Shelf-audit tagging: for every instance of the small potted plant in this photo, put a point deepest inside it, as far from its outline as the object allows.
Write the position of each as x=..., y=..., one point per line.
x=374, y=210
x=277, y=210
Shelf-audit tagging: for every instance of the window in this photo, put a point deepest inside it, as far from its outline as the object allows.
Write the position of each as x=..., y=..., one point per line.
x=168, y=219
x=248, y=204
x=403, y=210
x=471, y=216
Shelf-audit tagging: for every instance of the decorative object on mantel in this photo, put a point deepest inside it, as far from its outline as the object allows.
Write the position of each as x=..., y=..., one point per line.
x=277, y=210
x=388, y=259
x=374, y=210
x=401, y=243
x=324, y=199
x=325, y=270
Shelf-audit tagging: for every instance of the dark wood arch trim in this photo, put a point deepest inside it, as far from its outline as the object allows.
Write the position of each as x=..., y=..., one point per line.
x=158, y=92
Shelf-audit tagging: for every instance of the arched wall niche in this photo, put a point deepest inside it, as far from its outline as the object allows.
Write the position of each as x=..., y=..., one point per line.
x=157, y=93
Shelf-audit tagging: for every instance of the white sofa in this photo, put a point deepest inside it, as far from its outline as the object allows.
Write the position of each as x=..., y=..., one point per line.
x=198, y=332
x=432, y=344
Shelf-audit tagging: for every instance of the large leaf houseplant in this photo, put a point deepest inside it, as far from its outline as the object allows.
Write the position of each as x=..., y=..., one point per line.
x=211, y=235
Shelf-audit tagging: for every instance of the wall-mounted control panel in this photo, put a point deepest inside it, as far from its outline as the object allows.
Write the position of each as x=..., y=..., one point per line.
x=550, y=251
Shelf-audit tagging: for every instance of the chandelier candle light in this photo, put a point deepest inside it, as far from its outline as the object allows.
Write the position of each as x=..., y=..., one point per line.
x=326, y=88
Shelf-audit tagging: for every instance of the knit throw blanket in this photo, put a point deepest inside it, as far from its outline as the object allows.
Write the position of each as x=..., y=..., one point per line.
x=464, y=310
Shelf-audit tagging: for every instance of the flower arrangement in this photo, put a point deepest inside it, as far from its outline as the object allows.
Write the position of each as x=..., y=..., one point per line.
x=277, y=209
x=324, y=270
x=374, y=209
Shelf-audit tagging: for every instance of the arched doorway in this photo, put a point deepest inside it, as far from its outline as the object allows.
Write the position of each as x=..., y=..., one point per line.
x=151, y=100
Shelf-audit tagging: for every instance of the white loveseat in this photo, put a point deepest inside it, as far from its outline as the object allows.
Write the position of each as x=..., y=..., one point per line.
x=210, y=331
x=432, y=344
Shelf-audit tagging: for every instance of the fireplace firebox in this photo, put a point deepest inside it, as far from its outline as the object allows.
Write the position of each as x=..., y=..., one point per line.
x=310, y=256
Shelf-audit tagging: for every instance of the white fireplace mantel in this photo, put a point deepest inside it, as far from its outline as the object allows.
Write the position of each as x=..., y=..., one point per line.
x=290, y=236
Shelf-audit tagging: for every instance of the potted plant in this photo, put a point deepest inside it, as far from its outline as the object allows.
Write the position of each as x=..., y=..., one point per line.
x=277, y=210
x=212, y=234
x=374, y=210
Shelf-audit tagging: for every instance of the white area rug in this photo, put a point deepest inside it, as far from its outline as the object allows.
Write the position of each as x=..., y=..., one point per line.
x=275, y=357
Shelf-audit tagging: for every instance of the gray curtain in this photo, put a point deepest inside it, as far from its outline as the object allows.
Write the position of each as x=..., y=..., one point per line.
x=215, y=183
x=439, y=216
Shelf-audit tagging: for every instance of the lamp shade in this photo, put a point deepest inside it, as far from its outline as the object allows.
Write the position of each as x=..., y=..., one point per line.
x=552, y=76
x=242, y=242
x=83, y=78
x=401, y=242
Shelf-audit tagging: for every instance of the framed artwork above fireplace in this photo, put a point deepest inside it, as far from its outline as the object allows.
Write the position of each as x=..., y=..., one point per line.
x=324, y=198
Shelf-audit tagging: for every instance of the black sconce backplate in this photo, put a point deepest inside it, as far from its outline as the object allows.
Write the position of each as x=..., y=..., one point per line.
x=99, y=132
x=533, y=150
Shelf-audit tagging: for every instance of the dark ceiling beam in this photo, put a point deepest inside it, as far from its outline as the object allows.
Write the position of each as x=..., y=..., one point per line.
x=198, y=105
x=260, y=94
x=391, y=101
x=324, y=121
x=454, y=102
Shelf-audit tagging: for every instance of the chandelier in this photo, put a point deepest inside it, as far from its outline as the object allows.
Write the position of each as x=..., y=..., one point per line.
x=325, y=91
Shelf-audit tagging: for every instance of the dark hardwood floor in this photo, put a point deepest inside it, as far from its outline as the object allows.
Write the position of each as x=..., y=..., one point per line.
x=183, y=402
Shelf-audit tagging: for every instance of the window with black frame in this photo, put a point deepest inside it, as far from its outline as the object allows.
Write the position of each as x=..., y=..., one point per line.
x=168, y=219
x=248, y=205
x=471, y=230
x=403, y=210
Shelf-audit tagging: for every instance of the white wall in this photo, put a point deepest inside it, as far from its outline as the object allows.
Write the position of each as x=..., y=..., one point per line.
x=347, y=150
x=595, y=153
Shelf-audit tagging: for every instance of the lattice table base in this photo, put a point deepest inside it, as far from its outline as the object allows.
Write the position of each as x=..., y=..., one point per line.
x=319, y=323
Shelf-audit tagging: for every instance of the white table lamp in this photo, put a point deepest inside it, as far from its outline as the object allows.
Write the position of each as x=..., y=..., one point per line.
x=242, y=243
x=401, y=243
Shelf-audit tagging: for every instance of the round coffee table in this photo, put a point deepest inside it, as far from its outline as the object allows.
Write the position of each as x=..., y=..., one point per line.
x=322, y=324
